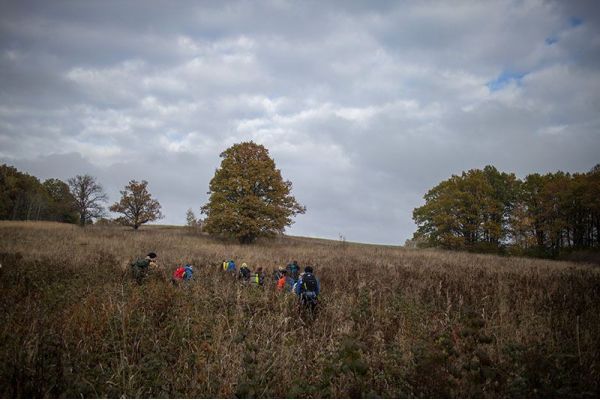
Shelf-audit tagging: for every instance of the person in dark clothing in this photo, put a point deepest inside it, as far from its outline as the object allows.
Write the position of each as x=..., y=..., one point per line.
x=308, y=288
x=293, y=270
x=142, y=267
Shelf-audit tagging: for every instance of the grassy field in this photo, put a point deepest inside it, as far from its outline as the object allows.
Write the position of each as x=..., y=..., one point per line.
x=393, y=322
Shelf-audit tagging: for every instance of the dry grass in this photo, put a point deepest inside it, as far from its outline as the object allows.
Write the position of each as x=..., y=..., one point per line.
x=393, y=322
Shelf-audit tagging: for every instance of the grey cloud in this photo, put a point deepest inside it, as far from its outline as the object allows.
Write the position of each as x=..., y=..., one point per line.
x=364, y=106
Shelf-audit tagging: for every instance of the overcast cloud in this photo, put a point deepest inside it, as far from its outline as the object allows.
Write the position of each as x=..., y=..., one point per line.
x=364, y=106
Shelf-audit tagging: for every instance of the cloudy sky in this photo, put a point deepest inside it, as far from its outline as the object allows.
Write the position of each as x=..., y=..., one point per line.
x=363, y=105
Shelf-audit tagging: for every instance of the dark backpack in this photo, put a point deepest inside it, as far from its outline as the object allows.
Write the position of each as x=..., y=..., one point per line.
x=140, y=263
x=309, y=283
x=244, y=273
x=139, y=270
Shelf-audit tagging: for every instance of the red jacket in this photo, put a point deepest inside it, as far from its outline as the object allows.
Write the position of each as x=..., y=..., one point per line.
x=178, y=274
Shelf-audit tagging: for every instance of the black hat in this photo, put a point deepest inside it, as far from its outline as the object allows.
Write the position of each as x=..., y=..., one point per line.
x=152, y=255
x=308, y=269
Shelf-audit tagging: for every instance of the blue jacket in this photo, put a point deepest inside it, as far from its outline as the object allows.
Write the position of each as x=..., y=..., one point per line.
x=298, y=289
x=289, y=284
x=231, y=266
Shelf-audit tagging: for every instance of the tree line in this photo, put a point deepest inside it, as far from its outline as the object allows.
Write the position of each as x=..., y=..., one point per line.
x=81, y=200
x=248, y=198
x=492, y=211
x=24, y=197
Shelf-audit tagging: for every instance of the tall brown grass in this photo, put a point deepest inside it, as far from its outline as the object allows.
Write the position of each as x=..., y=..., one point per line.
x=392, y=323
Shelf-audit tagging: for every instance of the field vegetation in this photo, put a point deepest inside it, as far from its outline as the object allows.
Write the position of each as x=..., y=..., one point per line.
x=393, y=322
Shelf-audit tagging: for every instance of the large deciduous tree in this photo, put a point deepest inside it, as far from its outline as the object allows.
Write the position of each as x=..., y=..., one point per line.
x=89, y=196
x=61, y=203
x=136, y=205
x=468, y=211
x=248, y=196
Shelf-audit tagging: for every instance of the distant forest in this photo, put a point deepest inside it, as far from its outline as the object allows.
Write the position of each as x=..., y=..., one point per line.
x=479, y=210
x=492, y=211
x=23, y=197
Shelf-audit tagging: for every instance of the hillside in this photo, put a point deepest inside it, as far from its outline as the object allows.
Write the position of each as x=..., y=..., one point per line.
x=393, y=322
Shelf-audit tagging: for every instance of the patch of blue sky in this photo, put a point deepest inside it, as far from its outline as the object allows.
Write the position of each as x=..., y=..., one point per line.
x=575, y=21
x=175, y=136
x=504, y=79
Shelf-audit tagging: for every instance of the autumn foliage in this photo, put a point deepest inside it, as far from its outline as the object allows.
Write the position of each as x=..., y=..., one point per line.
x=136, y=205
x=489, y=210
x=24, y=197
x=248, y=196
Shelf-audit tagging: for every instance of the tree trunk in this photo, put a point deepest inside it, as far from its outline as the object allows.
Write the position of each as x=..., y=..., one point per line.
x=29, y=209
x=246, y=239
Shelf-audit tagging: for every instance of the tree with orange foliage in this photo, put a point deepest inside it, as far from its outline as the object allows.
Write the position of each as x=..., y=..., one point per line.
x=137, y=205
x=248, y=196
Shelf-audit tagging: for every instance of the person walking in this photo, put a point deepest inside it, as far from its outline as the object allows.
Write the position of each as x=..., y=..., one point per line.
x=244, y=274
x=257, y=278
x=307, y=288
x=142, y=268
x=284, y=283
x=293, y=270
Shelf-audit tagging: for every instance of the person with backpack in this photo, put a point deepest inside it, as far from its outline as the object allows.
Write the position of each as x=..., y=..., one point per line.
x=293, y=270
x=244, y=274
x=257, y=278
x=141, y=268
x=178, y=275
x=284, y=283
x=182, y=274
x=308, y=288
x=231, y=267
x=188, y=273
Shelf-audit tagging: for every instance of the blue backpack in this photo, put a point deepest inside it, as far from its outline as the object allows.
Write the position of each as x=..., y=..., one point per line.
x=231, y=266
x=189, y=272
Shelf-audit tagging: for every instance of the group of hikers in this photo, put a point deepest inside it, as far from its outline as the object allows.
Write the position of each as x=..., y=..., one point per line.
x=305, y=285
x=285, y=279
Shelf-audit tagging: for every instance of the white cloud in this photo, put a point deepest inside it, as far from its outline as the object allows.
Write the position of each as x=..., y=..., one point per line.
x=553, y=130
x=363, y=106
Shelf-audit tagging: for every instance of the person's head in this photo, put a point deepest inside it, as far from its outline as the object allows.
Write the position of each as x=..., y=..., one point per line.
x=151, y=256
x=259, y=269
x=308, y=269
x=295, y=262
x=244, y=265
x=282, y=271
